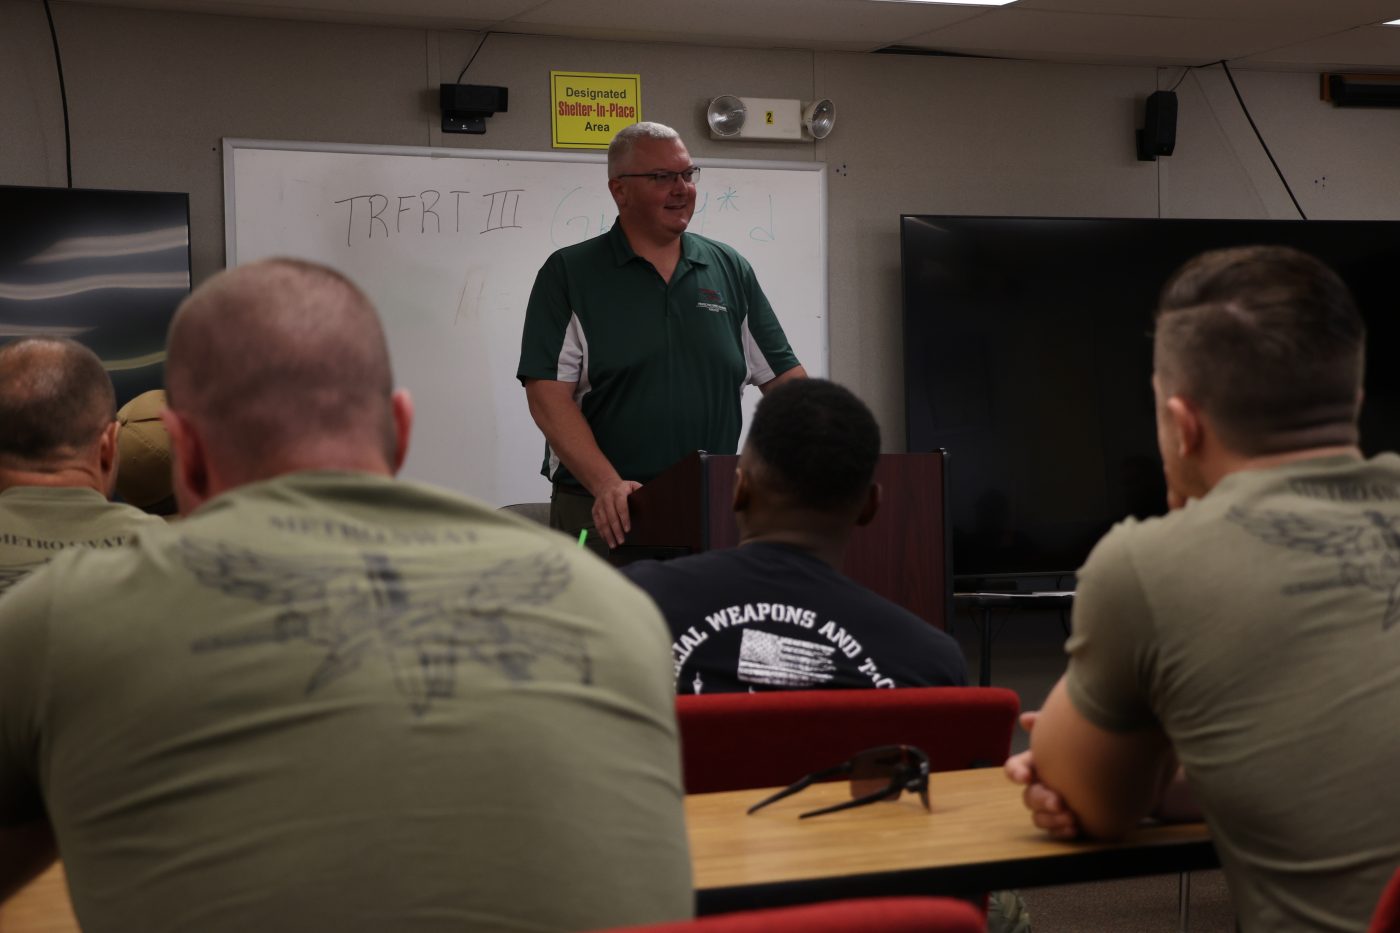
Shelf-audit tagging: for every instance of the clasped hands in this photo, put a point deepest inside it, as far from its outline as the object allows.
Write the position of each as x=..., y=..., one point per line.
x=1048, y=809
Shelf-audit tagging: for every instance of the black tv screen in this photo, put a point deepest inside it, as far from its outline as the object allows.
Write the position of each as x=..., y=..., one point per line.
x=1028, y=357
x=107, y=268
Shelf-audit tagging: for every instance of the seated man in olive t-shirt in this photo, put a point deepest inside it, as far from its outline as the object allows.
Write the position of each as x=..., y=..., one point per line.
x=58, y=456
x=1239, y=658
x=328, y=699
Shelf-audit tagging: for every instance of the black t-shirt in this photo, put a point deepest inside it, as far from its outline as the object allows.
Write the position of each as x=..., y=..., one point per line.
x=772, y=617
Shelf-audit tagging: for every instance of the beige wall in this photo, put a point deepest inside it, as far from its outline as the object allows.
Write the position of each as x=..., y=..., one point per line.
x=151, y=94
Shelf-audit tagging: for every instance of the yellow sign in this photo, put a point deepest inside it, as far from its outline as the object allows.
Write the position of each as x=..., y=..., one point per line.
x=590, y=108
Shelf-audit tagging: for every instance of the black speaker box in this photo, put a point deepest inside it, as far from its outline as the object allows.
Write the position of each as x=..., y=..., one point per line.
x=465, y=107
x=475, y=98
x=1158, y=134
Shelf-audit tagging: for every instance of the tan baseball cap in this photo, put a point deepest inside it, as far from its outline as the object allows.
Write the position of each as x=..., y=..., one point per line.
x=143, y=472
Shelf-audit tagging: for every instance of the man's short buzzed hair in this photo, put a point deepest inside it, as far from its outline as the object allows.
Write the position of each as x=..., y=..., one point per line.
x=277, y=356
x=56, y=399
x=820, y=441
x=1268, y=342
x=621, y=146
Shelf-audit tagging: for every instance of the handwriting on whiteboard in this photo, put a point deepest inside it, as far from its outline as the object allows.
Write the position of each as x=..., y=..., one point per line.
x=369, y=217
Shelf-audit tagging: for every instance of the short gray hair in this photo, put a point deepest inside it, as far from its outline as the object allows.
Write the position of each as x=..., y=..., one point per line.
x=621, y=146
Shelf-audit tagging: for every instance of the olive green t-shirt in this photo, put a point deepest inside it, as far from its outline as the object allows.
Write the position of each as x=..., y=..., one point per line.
x=37, y=522
x=659, y=365
x=334, y=701
x=1258, y=628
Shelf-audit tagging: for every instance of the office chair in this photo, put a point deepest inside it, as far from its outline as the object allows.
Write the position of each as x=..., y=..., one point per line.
x=735, y=741
x=869, y=915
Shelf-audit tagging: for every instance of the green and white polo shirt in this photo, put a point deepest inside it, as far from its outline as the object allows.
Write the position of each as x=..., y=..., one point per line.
x=659, y=366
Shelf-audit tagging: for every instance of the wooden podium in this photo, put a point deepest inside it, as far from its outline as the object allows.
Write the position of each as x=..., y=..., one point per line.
x=904, y=554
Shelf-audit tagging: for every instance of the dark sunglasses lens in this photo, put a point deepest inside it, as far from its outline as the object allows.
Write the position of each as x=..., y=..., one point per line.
x=876, y=770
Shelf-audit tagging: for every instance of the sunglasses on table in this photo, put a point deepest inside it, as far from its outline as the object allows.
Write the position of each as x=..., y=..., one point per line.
x=876, y=774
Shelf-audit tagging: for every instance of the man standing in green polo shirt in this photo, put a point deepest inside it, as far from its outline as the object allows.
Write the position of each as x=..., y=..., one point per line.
x=638, y=342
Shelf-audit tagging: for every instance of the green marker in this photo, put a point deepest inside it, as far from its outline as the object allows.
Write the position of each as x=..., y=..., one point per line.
x=583, y=538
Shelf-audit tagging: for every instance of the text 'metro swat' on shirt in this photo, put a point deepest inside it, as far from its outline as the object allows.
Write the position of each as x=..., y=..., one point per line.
x=773, y=617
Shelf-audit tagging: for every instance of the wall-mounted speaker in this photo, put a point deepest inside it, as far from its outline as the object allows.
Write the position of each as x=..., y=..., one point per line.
x=465, y=107
x=1158, y=134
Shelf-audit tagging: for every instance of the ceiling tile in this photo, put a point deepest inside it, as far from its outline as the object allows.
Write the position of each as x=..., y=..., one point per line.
x=1288, y=34
x=1373, y=47
x=1082, y=36
x=1328, y=16
x=443, y=13
x=828, y=24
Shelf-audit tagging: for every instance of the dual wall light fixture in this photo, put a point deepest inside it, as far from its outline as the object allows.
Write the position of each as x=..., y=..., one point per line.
x=761, y=118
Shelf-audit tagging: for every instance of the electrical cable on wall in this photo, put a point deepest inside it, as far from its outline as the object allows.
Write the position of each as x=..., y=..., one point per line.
x=469, y=61
x=1272, y=161
x=63, y=93
x=1184, y=72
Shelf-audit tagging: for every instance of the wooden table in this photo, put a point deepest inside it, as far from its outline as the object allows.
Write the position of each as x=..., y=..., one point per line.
x=978, y=838
x=41, y=907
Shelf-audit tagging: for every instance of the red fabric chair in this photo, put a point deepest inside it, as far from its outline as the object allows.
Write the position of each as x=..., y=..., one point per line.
x=871, y=915
x=735, y=741
x=1386, y=919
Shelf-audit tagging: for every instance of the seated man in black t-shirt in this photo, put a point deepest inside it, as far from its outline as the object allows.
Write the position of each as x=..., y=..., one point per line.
x=775, y=613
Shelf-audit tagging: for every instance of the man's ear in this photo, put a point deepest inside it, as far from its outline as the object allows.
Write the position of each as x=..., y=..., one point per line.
x=402, y=404
x=618, y=191
x=871, y=506
x=108, y=458
x=1190, y=428
x=189, y=462
x=743, y=488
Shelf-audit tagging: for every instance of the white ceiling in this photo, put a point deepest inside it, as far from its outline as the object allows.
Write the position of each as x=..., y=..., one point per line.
x=1288, y=34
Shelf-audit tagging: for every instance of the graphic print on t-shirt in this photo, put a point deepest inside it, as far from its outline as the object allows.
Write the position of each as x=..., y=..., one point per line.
x=815, y=656
x=778, y=661
x=1367, y=548
x=424, y=615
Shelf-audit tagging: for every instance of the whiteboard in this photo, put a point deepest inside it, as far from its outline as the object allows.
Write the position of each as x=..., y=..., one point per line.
x=446, y=242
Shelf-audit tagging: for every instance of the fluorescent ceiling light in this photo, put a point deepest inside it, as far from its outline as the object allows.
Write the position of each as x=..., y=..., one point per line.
x=959, y=2
x=1393, y=22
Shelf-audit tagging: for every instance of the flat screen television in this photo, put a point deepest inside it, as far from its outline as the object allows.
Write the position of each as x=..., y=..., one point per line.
x=1028, y=357
x=107, y=268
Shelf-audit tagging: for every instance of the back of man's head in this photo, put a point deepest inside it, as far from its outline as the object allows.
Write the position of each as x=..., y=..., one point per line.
x=281, y=364
x=817, y=444
x=56, y=400
x=1267, y=341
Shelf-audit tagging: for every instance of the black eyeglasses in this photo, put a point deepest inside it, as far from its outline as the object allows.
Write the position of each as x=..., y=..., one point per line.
x=876, y=774
x=666, y=179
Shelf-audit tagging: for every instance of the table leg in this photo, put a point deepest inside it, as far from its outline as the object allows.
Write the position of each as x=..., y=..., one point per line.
x=1183, y=904
x=984, y=676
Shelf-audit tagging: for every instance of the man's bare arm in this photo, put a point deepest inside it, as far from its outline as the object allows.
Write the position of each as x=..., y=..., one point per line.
x=569, y=436
x=797, y=372
x=25, y=851
x=1109, y=780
